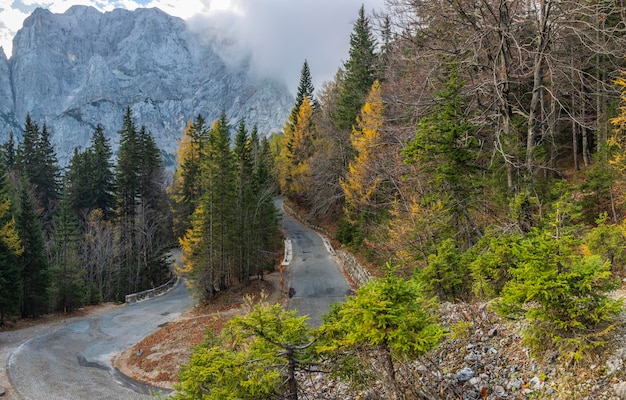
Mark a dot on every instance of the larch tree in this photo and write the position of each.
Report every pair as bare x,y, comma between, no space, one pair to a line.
364,178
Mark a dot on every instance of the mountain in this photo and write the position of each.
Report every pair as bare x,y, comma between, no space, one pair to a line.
81,68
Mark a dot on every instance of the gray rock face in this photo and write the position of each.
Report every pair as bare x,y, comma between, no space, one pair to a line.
82,68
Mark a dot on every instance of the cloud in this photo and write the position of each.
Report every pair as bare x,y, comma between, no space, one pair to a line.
280,34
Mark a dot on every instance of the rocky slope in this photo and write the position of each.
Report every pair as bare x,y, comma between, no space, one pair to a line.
82,68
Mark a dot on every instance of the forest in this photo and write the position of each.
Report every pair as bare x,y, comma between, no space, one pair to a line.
102,228
468,152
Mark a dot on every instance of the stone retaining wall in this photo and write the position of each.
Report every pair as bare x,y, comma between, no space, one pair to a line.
351,266
150,293
349,263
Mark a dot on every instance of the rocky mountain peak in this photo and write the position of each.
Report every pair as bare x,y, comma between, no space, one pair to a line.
83,67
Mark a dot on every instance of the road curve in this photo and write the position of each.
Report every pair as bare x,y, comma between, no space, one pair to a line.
75,361
313,273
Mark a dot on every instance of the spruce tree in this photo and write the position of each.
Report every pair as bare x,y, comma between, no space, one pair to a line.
208,245
69,288
127,184
11,290
47,175
33,261
102,168
360,73
305,90
8,153
152,236
246,199
187,187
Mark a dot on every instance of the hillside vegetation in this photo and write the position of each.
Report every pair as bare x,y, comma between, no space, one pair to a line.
475,149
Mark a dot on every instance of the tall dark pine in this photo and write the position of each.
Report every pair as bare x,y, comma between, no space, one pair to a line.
10,249
8,153
36,159
223,194
91,177
152,235
127,184
101,154
47,175
69,289
246,199
26,150
305,89
360,73
36,275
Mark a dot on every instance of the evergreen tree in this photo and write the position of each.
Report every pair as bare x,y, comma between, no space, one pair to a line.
102,168
37,160
33,261
153,222
246,202
257,356
360,73
47,175
11,290
69,289
8,153
187,189
305,90
208,246
389,317
26,156
445,147
127,186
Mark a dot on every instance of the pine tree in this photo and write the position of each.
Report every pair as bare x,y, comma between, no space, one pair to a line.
47,175
446,147
187,189
208,246
26,150
152,236
11,290
8,153
33,261
246,199
360,73
305,90
127,186
388,319
69,288
103,177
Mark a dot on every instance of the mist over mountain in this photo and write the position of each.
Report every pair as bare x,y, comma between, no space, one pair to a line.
81,68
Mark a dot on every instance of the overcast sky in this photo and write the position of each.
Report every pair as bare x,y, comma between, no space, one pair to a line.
281,33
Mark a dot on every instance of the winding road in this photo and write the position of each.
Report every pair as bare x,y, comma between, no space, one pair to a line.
74,359
313,273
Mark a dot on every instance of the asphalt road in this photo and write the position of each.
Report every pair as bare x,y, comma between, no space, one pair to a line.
313,273
75,361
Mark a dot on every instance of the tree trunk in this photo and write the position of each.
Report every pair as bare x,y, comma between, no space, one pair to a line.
292,383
